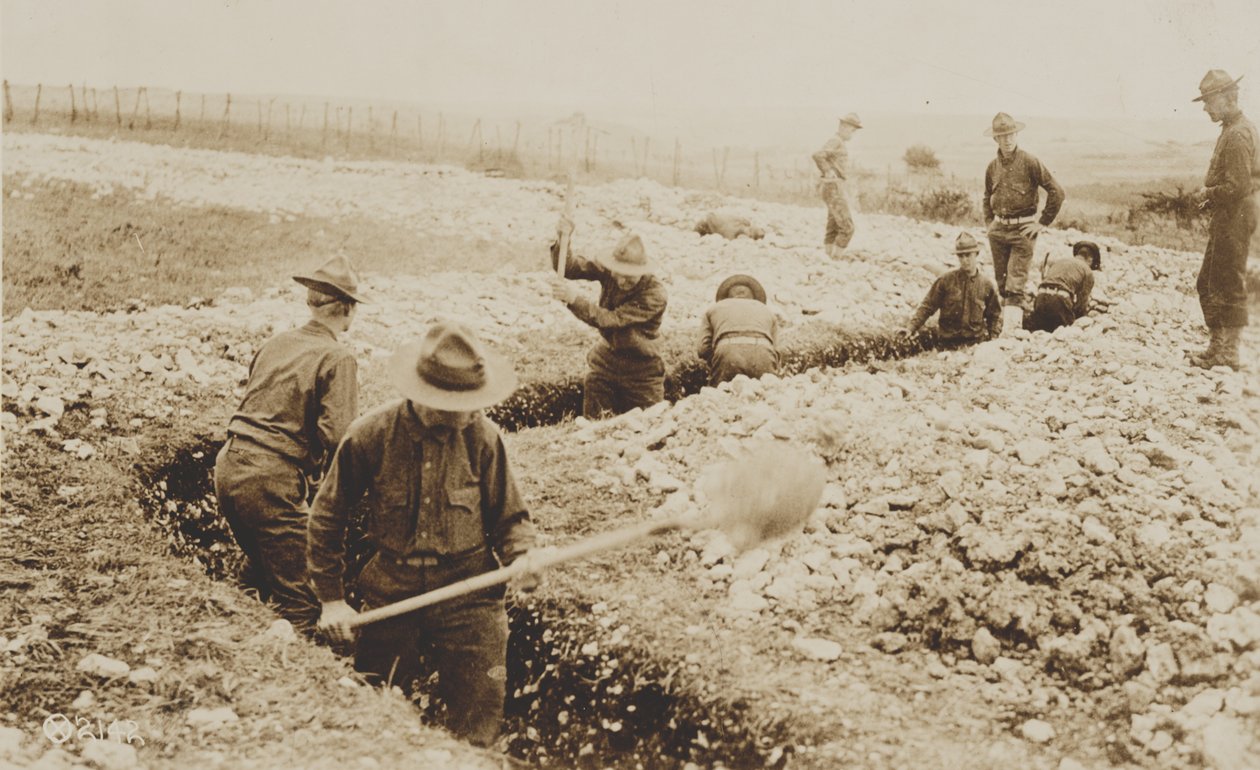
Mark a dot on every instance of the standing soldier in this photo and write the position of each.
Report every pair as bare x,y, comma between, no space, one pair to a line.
740,334
833,161
968,301
302,395
1229,193
1010,214
442,504
1067,285
626,369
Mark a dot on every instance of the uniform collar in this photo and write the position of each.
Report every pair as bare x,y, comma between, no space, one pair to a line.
418,429
315,327
1232,118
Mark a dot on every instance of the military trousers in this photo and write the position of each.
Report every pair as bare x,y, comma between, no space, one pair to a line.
262,495
840,227
1050,311
618,382
731,359
1222,282
1012,257
465,640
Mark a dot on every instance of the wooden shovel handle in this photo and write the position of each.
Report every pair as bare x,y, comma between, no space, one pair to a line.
536,561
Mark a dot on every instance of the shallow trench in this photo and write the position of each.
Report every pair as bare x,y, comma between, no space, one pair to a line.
622,708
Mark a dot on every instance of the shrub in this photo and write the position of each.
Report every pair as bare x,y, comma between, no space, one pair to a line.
920,157
1180,206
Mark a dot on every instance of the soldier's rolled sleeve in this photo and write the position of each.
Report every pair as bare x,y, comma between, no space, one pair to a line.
993,312
706,338
339,404
637,311
576,267
987,202
505,519
326,525
1054,195
1082,296
930,304
1235,173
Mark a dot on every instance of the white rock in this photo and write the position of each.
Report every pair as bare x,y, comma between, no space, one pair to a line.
1154,534
984,646
110,755
1037,731
211,718
11,740
282,630
1219,598
750,563
1227,744
51,406
99,665
143,675
1096,531
85,700
1032,451
818,649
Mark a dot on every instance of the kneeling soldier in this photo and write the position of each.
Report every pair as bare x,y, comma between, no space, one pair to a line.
1066,286
968,301
442,504
740,334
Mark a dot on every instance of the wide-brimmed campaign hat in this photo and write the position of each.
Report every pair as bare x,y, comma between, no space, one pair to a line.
628,257
1215,82
965,244
449,369
724,288
336,277
1091,248
852,119
1003,124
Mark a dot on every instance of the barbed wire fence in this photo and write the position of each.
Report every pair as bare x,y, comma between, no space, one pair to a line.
371,131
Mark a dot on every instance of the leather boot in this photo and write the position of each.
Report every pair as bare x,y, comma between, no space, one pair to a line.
1206,358
1227,350
1012,320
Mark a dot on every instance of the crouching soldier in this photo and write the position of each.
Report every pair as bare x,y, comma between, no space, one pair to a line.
970,307
1066,287
626,369
739,333
729,227
301,397
441,506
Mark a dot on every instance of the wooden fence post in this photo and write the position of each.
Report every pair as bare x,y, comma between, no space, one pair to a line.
516,141
135,111
677,159
96,107
117,108
74,112
39,90
323,137
87,111
148,115
227,116
179,95
720,175
8,103
203,109
267,131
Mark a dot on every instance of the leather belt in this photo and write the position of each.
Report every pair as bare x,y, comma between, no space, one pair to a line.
1056,290
1017,220
746,339
431,559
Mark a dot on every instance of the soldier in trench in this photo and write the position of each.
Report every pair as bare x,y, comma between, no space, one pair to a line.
442,506
968,302
626,368
1229,193
833,163
739,334
301,397
1067,286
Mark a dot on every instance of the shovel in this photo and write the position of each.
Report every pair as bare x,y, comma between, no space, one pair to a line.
764,495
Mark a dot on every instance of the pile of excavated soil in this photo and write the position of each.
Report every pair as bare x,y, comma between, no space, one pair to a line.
1052,539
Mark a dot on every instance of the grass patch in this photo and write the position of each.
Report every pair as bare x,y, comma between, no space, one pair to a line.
67,249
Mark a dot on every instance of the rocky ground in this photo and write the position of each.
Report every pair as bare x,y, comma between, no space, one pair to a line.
1041,550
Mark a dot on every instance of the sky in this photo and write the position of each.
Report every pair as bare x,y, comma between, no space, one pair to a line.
1135,59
